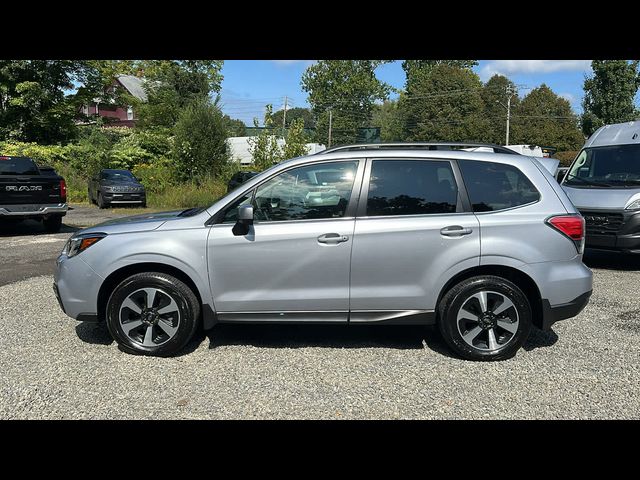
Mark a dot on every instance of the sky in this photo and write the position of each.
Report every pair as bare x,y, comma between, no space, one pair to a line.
251,84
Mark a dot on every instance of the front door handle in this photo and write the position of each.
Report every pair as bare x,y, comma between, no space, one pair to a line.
455,231
332,238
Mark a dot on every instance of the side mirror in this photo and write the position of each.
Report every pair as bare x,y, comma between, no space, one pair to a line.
245,220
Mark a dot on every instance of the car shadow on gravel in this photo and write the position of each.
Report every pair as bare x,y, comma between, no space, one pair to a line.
93,332
29,227
611,260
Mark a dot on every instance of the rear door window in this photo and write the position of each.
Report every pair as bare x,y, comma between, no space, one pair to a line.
411,187
496,186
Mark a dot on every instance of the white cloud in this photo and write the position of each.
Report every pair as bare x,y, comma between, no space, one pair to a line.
511,67
569,96
286,63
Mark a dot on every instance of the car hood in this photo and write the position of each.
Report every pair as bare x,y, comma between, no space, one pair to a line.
602,198
136,223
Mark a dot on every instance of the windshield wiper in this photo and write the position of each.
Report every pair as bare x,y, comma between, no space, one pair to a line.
588,182
190,211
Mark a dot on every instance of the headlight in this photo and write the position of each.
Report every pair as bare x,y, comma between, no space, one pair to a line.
635,205
80,243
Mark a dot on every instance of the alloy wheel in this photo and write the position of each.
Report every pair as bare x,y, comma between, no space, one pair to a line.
149,317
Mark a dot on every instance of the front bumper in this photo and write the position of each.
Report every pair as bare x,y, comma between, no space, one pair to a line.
124,198
555,313
617,230
76,287
33,210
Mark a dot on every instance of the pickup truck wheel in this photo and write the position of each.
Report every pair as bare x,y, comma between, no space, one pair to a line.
152,314
100,202
485,318
52,224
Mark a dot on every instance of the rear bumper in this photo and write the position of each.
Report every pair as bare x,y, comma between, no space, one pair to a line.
552,314
33,210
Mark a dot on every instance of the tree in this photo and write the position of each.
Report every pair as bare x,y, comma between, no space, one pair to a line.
200,146
347,89
387,117
544,118
235,127
172,85
34,106
292,114
495,95
265,148
444,104
610,93
413,68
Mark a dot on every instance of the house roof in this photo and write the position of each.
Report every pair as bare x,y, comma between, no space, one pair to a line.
133,85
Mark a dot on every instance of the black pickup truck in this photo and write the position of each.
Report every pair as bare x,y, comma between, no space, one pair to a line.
27,191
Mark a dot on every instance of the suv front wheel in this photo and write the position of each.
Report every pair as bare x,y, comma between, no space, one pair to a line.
485,318
152,314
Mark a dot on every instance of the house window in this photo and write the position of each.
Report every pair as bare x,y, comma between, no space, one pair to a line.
129,113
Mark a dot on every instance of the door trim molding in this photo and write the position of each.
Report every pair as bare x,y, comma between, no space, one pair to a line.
356,317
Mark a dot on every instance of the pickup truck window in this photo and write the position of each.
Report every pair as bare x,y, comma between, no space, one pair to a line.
17,166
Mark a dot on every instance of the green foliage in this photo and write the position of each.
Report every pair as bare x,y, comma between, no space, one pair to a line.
199,145
265,148
295,141
544,118
173,85
387,117
156,176
566,157
188,194
415,68
33,105
235,128
495,94
349,89
610,93
292,114
444,104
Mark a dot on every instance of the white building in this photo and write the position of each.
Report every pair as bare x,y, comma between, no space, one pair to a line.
239,147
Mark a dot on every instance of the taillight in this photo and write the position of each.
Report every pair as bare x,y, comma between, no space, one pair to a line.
63,191
571,226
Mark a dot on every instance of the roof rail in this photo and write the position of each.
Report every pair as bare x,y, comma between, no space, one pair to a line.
416,145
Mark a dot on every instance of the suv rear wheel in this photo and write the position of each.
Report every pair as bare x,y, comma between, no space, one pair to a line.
485,318
152,314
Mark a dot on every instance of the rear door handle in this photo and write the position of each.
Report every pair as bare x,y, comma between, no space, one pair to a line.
332,238
455,231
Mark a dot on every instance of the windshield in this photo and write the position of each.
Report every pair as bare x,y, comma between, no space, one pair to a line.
17,166
119,175
610,166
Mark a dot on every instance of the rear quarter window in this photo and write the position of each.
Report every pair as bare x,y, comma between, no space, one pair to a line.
496,186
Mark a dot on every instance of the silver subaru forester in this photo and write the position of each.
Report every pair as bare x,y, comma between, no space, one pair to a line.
484,245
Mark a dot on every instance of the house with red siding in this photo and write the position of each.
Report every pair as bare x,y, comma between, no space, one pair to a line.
106,107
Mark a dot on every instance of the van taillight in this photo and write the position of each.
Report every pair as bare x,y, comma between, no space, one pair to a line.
571,226
63,191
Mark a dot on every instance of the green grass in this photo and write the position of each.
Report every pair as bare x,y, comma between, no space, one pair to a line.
179,196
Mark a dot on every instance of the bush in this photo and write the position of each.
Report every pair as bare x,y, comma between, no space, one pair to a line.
566,157
199,146
189,194
156,176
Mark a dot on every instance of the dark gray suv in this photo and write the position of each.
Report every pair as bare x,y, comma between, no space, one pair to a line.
116,187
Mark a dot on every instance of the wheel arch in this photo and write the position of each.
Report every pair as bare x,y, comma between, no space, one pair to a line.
115,277
520,278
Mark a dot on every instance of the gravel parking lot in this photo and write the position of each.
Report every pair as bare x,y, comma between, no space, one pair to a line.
54,367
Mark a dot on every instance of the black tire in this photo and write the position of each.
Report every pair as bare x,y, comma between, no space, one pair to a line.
52,224
507,343
187,304
100,202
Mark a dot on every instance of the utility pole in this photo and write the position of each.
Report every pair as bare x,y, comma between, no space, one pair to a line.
330,121
284,117
510,93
